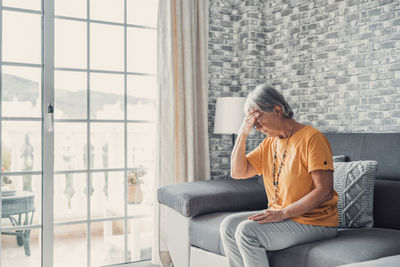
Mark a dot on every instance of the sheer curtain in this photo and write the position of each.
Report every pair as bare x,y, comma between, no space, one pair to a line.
182,102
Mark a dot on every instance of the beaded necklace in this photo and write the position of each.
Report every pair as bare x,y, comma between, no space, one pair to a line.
275,179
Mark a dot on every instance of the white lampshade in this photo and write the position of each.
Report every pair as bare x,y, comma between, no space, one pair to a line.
229,115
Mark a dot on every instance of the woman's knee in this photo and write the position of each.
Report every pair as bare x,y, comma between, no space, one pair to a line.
229,224
225,226
247,232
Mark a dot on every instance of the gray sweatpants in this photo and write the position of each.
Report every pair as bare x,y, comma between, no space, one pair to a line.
246,242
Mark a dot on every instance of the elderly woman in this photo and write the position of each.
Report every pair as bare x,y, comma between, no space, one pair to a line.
296,163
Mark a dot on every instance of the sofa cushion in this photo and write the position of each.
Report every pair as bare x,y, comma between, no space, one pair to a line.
382,147
204,232
260,181
203,197
351,245
392,261
387,204
354,183
348,144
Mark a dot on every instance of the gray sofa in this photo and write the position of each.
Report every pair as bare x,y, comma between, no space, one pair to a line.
202,205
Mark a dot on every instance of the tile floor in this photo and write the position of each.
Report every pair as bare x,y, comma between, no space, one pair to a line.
72,251
144,264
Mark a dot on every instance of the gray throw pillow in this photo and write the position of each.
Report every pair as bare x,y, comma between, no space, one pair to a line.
354,183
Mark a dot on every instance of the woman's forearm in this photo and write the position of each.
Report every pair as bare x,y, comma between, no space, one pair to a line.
311,201
239,164
238,157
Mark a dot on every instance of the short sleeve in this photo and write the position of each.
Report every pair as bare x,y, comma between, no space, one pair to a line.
319,153
255,158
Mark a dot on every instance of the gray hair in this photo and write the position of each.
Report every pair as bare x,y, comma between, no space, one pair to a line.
265,98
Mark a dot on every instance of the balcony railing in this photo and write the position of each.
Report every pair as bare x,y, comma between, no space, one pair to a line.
106,212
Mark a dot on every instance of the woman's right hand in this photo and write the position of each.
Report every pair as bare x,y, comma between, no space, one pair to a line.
248,122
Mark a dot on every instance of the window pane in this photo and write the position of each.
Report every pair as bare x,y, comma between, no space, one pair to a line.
142,86
107,245
106,96
70,151
107,145
70,247
21,145
21,37
21,194
141,95
21,92
142,12
140,234
26,4
14,255
107,199
70,44
106,47
21,205
107,10
141,145
141,50
70,8
70,197
70,95
140,189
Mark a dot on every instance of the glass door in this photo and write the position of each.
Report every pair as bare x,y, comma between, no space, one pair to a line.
104,94
90,168
21,132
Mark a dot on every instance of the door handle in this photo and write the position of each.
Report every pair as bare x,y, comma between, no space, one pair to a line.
50,118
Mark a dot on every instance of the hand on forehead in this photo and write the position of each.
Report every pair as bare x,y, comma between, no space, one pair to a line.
254,110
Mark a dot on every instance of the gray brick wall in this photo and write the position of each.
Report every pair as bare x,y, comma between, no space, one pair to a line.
337,62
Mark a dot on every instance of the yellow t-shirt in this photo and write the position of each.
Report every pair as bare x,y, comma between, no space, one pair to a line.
307,150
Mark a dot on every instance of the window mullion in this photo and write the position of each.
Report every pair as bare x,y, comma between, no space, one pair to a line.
1,102
88,152
47,136
125,136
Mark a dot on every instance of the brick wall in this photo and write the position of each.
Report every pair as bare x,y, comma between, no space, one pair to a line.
337,62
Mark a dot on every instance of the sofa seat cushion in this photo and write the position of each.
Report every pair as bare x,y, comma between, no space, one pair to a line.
350,246
204,232
392,261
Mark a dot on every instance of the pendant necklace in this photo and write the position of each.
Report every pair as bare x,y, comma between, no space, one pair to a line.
275,178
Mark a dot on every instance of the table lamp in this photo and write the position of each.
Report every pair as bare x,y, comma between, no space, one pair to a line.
229,115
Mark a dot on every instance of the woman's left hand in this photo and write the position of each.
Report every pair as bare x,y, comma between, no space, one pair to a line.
268,215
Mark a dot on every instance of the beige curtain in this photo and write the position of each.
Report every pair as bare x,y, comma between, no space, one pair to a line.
182,102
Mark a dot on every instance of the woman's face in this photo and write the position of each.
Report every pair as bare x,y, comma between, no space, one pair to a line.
267,123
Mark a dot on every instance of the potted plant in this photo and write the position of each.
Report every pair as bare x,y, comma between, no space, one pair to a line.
135,194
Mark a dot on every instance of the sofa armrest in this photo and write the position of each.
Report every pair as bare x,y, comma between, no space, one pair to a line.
202,197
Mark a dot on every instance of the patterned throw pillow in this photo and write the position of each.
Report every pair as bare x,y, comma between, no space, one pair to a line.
354,183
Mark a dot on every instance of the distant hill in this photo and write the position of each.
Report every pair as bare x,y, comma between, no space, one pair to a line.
27,90
19,88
